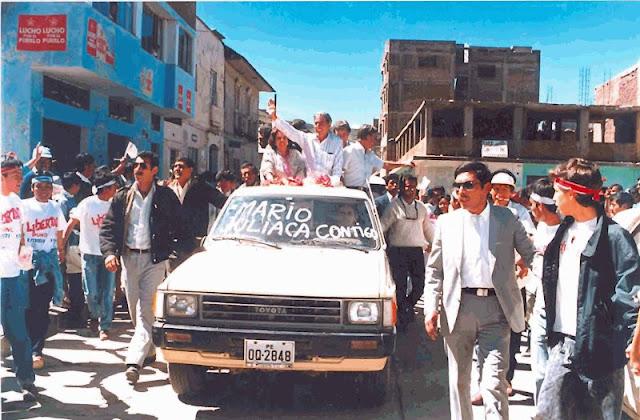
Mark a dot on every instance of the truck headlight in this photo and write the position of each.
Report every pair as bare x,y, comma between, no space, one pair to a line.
364,312
181,305
389,312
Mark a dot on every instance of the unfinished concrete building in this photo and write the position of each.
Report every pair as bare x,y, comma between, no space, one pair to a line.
623,91
413,71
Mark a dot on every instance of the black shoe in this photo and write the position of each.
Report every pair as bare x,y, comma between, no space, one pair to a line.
30,393
149,360
133,374
94,325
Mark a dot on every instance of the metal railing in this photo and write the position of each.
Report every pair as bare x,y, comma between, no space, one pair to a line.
413,132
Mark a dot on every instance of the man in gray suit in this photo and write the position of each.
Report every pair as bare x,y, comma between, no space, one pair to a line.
471,289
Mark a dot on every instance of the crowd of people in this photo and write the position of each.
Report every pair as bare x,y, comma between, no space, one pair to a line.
560,257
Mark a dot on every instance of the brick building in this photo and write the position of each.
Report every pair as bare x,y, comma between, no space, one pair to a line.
623,91
413,71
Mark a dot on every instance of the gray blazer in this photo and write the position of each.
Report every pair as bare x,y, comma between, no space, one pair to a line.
443,282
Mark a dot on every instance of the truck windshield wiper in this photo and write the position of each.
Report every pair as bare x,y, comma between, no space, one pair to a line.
241,239
316,241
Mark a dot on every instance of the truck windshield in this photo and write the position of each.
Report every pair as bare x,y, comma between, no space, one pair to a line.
299,220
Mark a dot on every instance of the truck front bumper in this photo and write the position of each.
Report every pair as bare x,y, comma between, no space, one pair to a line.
315,351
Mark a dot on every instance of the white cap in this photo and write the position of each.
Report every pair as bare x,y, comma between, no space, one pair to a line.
503,178
376,180
45,152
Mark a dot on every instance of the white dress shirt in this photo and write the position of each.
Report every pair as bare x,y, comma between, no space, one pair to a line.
407,225
359,164
573,243
474,270
180,191
321,158
523,215
139,229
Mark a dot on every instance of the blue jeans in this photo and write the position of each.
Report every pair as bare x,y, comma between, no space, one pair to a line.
14,302
539,348
99,287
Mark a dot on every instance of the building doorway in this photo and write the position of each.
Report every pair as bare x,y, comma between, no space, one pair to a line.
64,141
116,145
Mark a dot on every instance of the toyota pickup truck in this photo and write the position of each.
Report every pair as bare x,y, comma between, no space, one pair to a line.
290,279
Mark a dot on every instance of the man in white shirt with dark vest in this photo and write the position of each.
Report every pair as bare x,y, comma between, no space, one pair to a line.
471,289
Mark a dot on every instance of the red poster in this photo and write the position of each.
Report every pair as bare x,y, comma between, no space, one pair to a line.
180,97
189,101
42,33
92,30
97,42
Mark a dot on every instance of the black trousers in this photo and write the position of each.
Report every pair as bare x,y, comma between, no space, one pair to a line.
514,345
407,262
38,312
77,311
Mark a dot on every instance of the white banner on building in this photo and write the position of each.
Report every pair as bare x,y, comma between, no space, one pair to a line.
495,148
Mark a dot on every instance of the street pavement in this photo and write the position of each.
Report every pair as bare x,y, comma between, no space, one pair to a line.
84,378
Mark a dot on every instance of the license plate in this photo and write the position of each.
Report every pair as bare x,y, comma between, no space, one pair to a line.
269,354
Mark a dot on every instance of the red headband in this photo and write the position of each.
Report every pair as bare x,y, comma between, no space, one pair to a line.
10,169
580,189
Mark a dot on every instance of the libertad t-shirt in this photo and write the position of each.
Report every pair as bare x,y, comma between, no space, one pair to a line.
10,233
41,222
573,243
90,213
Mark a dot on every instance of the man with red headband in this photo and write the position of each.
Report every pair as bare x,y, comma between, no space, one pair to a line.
590,276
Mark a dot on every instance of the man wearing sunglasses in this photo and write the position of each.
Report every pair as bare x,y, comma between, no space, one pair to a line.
590,278
138,233
409,231
194,195
472,292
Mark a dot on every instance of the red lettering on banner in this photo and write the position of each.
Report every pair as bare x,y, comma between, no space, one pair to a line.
180,97
10,215
189,101
97,221
42,33
97,42
42,224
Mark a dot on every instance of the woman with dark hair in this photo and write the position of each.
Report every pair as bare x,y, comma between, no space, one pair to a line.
281,164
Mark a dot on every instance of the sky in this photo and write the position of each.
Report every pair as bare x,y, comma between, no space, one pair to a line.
326,56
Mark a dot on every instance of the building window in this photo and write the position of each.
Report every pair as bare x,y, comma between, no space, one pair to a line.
155,149
185,51
120,110
213,158
152,33
487,71
119,12
428,61
65,93
116,145
155,122
173,156
193,155
196,79
214,88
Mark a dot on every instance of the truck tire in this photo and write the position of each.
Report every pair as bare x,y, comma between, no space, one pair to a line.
373,386
186,379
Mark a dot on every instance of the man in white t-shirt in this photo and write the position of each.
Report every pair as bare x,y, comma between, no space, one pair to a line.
360,161
44,224
591,275
14,288
98,282
545,212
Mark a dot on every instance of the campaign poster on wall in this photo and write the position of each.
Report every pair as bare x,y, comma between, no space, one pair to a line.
42,33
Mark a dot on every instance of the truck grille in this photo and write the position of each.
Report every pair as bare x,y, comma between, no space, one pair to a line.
271,309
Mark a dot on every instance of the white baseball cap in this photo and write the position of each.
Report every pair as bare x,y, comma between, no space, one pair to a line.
45,152
503,178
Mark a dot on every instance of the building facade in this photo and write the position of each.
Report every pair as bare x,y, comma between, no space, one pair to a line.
413,71
242,87
623,91
201,138
94,76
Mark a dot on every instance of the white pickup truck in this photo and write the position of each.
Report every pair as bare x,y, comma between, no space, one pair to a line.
293,279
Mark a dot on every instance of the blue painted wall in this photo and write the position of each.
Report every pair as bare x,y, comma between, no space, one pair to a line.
23,104
623,175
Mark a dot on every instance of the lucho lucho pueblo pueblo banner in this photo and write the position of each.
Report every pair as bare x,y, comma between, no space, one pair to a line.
266,218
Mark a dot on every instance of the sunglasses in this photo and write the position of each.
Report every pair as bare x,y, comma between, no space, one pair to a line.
142,165
468,185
